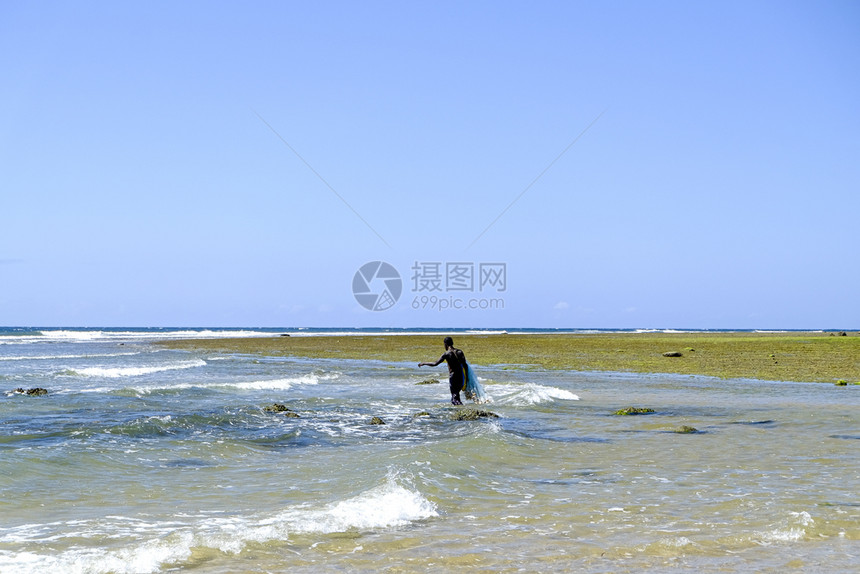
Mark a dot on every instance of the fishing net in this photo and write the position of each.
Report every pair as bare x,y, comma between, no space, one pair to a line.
473,389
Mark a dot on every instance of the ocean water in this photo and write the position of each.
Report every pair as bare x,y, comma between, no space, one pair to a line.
142,459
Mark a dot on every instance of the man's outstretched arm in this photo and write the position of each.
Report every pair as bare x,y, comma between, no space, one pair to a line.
442,358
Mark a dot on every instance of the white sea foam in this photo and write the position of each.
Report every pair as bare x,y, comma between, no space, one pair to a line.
277,384
389,505
143,559
660,331
781,535
804,518
116,372
72,335
51,357
792,531
281,384
75,336
530,394
274,385
677,542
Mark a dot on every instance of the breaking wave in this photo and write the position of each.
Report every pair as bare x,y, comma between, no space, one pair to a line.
116,372
530,394
151,545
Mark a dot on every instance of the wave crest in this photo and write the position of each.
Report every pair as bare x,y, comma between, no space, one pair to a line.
530,394
117,372
389,505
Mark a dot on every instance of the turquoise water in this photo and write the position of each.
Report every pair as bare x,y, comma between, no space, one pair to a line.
142,459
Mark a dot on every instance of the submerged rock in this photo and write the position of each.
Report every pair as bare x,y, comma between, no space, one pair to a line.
36,392
635,411
684,429
276,408
673,354
472,415
428,382
377,421
841,383
421,414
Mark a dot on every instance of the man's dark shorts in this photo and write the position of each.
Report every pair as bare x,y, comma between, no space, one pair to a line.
455,382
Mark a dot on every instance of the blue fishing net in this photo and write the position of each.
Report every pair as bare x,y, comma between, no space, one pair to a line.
473,389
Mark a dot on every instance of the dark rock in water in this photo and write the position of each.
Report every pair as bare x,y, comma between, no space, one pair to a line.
285,334
421,414
684,429
673,354
428,382
763,422
276,408
377,421
635,411
37,392
843,334
279,408
841,383
472,415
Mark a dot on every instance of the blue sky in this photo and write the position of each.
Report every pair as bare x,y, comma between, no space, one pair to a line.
234,164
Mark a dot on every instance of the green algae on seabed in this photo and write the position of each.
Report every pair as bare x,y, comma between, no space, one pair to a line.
802,356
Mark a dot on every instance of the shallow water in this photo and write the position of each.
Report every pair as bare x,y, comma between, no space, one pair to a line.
143,459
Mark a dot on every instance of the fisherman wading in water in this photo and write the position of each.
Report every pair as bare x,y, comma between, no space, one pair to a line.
456,369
